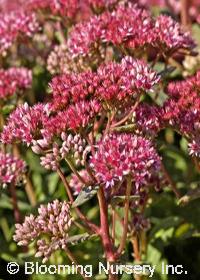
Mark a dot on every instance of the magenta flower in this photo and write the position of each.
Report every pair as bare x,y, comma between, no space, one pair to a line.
171,35
68,8
147,119
121,155
14,80
130,27
127,79
81,114
12,169
15,24
68,88
85,36
112,82
54,221
25,124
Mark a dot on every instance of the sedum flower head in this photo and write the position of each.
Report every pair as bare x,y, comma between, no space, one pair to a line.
53,222
25,123
12,169
71,88
128,27
85,36
120,155
171,34
117,81
14,24
112,82
67,8
147,119
81,114
14,80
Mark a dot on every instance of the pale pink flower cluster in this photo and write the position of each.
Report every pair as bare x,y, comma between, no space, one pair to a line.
12,169
72,147
15,24
53,221
14,80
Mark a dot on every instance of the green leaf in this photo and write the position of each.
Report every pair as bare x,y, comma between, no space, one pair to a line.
85,194
7,109
79,238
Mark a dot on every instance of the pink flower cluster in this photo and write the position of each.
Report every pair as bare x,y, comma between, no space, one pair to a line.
14,80
170,34
15,24
28,124
120,155
25,124
182,111
71,88
127,79
130,27
86,36
112,82
68,8
80,114
53,221
12,169
147,119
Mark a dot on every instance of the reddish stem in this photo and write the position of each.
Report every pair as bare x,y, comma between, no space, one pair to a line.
89,224
104,229
170,181
185,18
126,214
128,115
17,214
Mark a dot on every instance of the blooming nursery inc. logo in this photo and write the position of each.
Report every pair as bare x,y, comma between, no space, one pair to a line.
99,137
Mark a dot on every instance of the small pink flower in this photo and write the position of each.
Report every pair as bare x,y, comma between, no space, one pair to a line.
14,80
14,24
68,8
120,155
25,124
12,169
171,34
81,114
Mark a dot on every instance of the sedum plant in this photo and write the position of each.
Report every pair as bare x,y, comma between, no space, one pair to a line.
114,92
